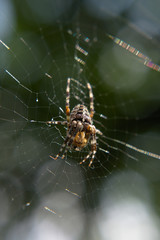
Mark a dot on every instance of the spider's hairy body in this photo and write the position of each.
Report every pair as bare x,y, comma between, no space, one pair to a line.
81,113
80,128
80,119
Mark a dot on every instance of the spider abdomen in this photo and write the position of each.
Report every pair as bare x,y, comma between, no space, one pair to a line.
79,121
81,113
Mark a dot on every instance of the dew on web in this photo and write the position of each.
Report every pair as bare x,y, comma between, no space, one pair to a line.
33,95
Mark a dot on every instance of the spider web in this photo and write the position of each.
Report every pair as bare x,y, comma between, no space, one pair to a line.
45,196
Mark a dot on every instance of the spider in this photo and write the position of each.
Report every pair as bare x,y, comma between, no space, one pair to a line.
80,128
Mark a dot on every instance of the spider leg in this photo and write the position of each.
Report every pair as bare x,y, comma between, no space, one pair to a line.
91,100
85,159
93,156
92,152
70,139
57,122
68,100
64,144
61,149
99,132
67,142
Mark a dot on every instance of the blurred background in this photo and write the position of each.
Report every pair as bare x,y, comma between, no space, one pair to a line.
42,43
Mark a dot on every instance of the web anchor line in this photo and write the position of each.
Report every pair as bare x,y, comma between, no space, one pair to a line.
146,60
139,150
4,44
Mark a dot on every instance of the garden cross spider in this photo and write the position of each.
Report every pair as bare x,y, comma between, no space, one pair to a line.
80,128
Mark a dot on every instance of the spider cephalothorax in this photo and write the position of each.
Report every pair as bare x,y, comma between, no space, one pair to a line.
80,128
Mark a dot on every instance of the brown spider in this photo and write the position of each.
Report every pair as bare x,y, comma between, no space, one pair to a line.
80,128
